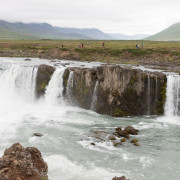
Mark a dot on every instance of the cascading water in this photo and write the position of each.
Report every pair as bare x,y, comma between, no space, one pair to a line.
172,105
69,86
148,94
19,80
54,90
94,98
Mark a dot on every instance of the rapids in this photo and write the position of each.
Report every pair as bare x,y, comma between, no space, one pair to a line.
66,144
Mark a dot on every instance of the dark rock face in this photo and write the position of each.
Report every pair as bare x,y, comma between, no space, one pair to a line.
120,178
83,86
121,91
43,77
19,163
126,91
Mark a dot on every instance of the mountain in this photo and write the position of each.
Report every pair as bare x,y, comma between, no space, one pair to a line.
172,33
21,30
119,36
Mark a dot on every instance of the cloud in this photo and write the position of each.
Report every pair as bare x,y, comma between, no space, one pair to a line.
123,16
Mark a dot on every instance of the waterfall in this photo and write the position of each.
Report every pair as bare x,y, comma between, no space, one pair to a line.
19,80
69,86
148,95
172,105
54,90
94,98
156,89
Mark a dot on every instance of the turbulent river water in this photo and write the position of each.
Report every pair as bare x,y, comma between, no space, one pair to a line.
66,144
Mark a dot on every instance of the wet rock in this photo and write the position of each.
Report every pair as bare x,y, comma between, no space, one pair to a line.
38,134
93,144
19,163
134,141
118,129
123,133
27,59
120,178
43,77
117,144
123,140
99,135
111,137
131,130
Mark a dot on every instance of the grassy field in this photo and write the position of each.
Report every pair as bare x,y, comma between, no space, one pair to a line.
114,51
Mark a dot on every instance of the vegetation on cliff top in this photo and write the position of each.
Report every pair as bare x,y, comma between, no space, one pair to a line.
113,51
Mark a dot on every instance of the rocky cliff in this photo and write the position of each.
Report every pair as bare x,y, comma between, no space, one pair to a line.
19,163
109,89
120,91
43,77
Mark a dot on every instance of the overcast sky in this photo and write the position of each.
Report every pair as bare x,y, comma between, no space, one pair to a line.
111,16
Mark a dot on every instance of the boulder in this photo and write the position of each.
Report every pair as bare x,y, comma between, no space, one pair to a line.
38,134
120,178
131,130
123,133
19,163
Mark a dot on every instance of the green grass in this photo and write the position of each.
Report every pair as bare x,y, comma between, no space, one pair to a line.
114,51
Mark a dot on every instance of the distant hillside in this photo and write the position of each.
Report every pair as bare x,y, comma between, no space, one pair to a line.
170,34
119,36
46,31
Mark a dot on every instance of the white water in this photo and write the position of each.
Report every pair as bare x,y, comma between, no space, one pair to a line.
149,94
94,98
69,86
66,144
172,105
19,80
54,91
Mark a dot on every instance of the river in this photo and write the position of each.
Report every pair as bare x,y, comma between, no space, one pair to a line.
66,144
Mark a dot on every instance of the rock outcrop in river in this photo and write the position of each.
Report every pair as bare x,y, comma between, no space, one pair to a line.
119,91
19,163
120,178
111,90
43,77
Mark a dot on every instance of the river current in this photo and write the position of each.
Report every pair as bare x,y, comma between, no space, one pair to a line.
66,144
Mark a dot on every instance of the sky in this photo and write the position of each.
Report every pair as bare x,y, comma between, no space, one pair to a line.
111,16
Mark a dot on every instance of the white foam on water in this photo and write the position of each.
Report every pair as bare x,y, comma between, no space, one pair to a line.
60,167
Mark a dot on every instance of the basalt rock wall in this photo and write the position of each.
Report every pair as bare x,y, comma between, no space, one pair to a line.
43,77
84,80
121,91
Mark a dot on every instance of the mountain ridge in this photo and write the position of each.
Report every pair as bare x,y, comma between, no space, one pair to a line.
172,33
